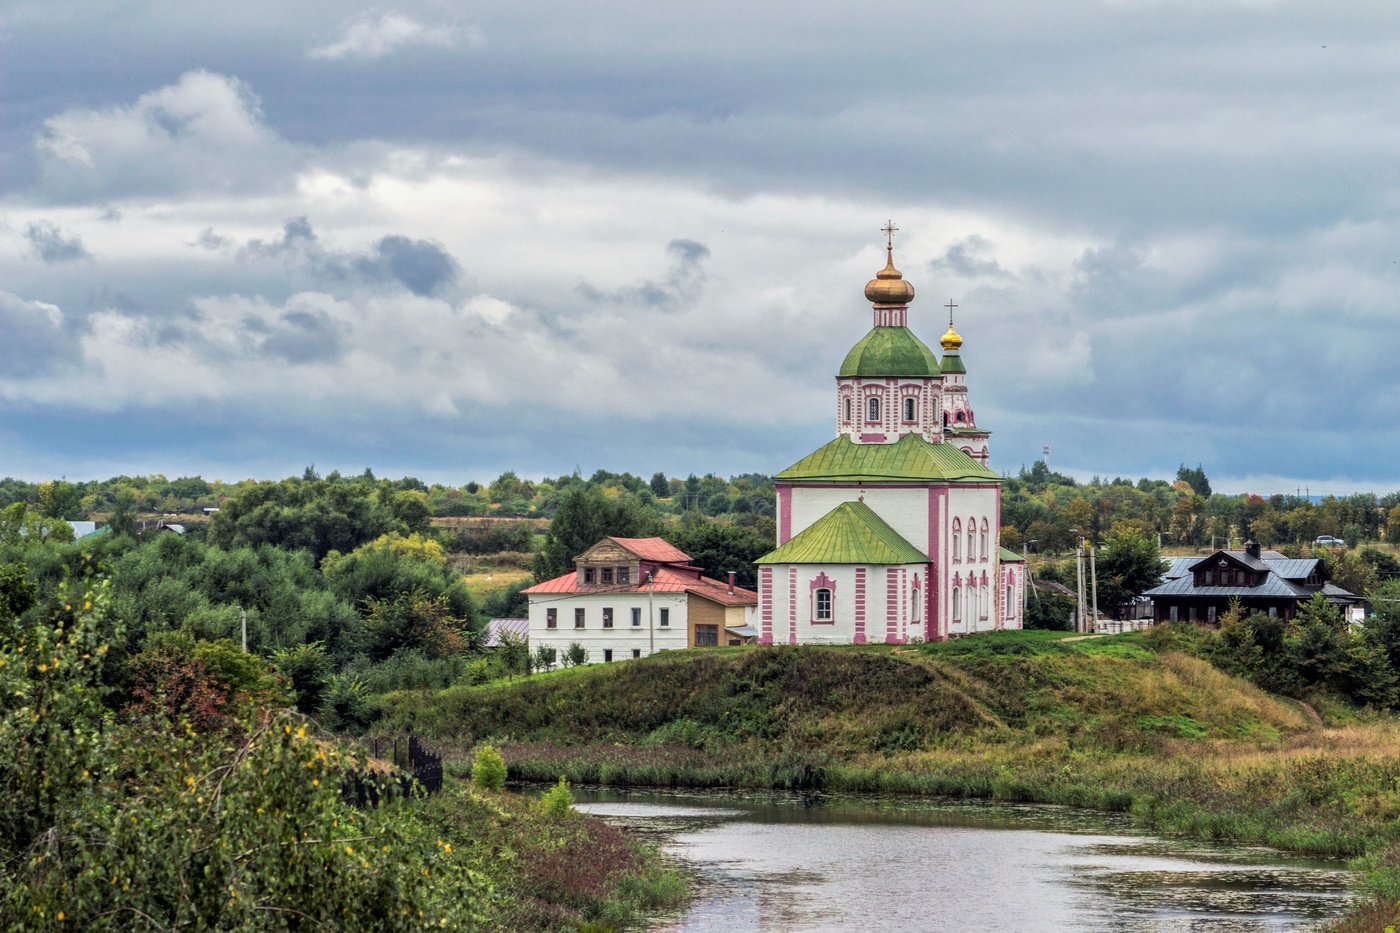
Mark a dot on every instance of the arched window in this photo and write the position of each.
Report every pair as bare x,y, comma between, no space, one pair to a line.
957,538
822,598
917,602
984,540
958,416
984,603
971,542
848,408
1010,605
872,408
957,604
909,408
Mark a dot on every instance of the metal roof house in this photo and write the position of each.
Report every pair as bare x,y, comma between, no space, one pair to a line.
1200,589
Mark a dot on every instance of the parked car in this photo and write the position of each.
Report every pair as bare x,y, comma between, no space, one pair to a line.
1329,541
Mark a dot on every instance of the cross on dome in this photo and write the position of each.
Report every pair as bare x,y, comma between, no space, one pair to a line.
889,230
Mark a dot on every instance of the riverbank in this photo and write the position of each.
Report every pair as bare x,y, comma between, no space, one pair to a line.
1115,724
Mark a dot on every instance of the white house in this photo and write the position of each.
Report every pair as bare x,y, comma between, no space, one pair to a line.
630,597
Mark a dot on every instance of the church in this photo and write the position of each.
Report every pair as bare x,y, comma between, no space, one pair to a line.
891,532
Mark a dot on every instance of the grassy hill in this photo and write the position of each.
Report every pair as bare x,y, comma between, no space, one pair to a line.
1116,723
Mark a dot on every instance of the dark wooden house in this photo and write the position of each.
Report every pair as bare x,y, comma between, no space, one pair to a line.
1200,589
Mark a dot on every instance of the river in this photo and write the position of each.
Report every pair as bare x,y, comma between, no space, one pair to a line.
795,864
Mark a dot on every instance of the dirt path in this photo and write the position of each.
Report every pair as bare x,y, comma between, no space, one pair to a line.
1313,714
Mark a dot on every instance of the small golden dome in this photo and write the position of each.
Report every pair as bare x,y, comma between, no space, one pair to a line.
888,289
950,340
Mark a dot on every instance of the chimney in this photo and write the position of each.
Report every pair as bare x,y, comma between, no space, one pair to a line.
731,583
1251,548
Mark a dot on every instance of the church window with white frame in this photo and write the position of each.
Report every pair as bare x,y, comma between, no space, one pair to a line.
957,539
957,604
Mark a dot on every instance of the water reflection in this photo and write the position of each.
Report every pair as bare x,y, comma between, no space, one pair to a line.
790,864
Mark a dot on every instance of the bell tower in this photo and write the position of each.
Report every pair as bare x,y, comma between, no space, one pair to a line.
959,423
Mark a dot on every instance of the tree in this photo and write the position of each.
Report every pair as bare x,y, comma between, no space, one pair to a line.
1129,565
488,768
1196,479
720,547
585,516
23,528
660,486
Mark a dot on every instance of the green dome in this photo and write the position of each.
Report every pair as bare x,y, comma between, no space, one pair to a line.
890,351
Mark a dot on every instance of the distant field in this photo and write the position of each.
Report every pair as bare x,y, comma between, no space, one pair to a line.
482,582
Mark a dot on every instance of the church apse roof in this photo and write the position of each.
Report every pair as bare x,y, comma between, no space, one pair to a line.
851,533
890,351
911,458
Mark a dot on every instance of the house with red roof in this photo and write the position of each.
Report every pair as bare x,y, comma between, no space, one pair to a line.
631,597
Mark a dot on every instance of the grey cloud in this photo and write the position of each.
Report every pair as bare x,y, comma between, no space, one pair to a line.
211,241
302,336
969,259
684,282
373,36
422,267
35,341
297,238
50,245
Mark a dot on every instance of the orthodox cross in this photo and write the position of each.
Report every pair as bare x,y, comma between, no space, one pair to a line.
950,306
889,230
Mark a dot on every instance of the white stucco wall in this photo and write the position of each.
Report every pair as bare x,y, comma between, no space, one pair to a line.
622,638
854,621
904,509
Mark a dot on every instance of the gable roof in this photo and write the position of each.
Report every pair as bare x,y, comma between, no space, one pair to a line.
851,533
909,458
668,580
657,549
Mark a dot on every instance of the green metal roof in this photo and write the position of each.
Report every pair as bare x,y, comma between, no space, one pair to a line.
890,351
1008,554
851,533
909,458
952,363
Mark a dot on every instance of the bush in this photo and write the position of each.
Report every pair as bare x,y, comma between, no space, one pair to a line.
575,655
308,668
489,769
558,802
346,706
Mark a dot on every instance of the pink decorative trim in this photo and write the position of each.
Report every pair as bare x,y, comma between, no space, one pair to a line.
765,600
784,514
872,438
891,605
937,497
860,606
792,605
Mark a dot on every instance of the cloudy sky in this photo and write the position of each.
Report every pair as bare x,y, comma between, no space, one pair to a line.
448,239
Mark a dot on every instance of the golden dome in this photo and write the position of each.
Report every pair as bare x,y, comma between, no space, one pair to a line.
888,289
950,340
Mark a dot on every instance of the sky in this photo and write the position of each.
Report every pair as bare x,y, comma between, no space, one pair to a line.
447,240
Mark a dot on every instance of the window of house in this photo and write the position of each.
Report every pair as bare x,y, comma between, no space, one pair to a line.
872,408
957,604
624,575
607,617
607,575
909,408
665,617
636,617
551,618
822,598
1210,614
607,655
1273,612
590,575
848,408
706,636
636,652
578,618
1172,613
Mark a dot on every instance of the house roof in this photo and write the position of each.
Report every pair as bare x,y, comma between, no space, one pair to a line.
1010,556
1271,586
668,580
520,628
657,549
890,351
1284,577
851,533
909,458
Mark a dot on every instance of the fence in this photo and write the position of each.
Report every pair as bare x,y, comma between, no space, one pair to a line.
415,768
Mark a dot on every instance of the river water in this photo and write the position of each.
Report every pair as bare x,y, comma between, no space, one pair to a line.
794,864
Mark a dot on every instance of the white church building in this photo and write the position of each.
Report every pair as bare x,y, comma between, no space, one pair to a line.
891,532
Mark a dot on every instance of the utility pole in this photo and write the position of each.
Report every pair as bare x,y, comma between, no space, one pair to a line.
1094,576
1079,585
245,630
